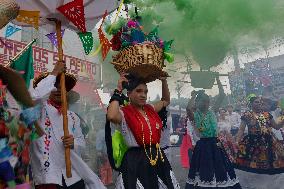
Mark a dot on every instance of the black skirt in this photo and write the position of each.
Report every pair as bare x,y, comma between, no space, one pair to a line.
135,165
211,167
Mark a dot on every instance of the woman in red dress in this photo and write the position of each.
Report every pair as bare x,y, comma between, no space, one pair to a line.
144,165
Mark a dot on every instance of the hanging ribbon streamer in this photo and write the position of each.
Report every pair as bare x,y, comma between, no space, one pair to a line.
87,41
74,11
10,30
103,39
29,17
104,42
116,16
53,37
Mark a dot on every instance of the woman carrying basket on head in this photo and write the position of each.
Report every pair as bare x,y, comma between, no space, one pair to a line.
144,164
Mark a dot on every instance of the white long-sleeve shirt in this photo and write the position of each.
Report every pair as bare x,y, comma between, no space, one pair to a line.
192,132
47,166
235,120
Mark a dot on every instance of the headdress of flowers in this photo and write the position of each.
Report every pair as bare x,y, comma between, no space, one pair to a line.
129,32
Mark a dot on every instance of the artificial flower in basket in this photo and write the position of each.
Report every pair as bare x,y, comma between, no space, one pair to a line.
141,54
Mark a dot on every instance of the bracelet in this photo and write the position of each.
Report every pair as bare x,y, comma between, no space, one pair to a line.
118,96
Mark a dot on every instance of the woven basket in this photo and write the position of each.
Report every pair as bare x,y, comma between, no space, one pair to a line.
9,10
146,61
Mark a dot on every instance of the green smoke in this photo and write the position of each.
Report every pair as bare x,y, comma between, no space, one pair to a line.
209,29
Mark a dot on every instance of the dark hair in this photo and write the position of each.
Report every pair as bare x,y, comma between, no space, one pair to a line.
132,83
220,109
201,95
230,105
251,100
163,114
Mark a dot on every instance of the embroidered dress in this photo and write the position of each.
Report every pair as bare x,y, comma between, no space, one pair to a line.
210,165
259,162
260,151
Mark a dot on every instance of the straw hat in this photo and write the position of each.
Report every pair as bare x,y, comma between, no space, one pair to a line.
73,97
70,80
9,10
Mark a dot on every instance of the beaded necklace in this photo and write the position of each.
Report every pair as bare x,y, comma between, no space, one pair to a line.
206,123
153,162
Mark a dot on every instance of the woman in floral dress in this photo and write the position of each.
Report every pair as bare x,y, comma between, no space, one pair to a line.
260,157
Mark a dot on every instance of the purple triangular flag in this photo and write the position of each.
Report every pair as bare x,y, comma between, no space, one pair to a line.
53,38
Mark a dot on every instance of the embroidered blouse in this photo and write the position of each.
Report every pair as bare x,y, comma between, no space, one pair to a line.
45,159
206,123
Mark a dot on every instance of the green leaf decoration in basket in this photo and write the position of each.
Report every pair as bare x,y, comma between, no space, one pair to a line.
169,57
168,45
119,147
153,35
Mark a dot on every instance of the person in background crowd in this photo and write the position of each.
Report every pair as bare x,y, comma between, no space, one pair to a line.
104,168
234,119
186,142
165,137
225,136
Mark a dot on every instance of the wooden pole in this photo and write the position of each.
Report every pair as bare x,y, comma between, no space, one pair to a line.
63,99
20,53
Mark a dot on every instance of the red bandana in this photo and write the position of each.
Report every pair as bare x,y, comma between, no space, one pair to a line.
135,121
58,107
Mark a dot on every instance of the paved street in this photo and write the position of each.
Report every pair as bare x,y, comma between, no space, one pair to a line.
180,172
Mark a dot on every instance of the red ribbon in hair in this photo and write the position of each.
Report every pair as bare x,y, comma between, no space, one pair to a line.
135,120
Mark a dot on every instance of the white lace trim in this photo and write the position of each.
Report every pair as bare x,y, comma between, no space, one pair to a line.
119,183
226,183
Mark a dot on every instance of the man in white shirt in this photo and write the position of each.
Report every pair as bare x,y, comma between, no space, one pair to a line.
47,152
234,119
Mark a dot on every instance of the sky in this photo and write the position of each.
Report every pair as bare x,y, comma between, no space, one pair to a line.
245,55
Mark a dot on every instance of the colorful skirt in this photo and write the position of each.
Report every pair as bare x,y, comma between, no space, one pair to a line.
211,167
261,154
230,147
